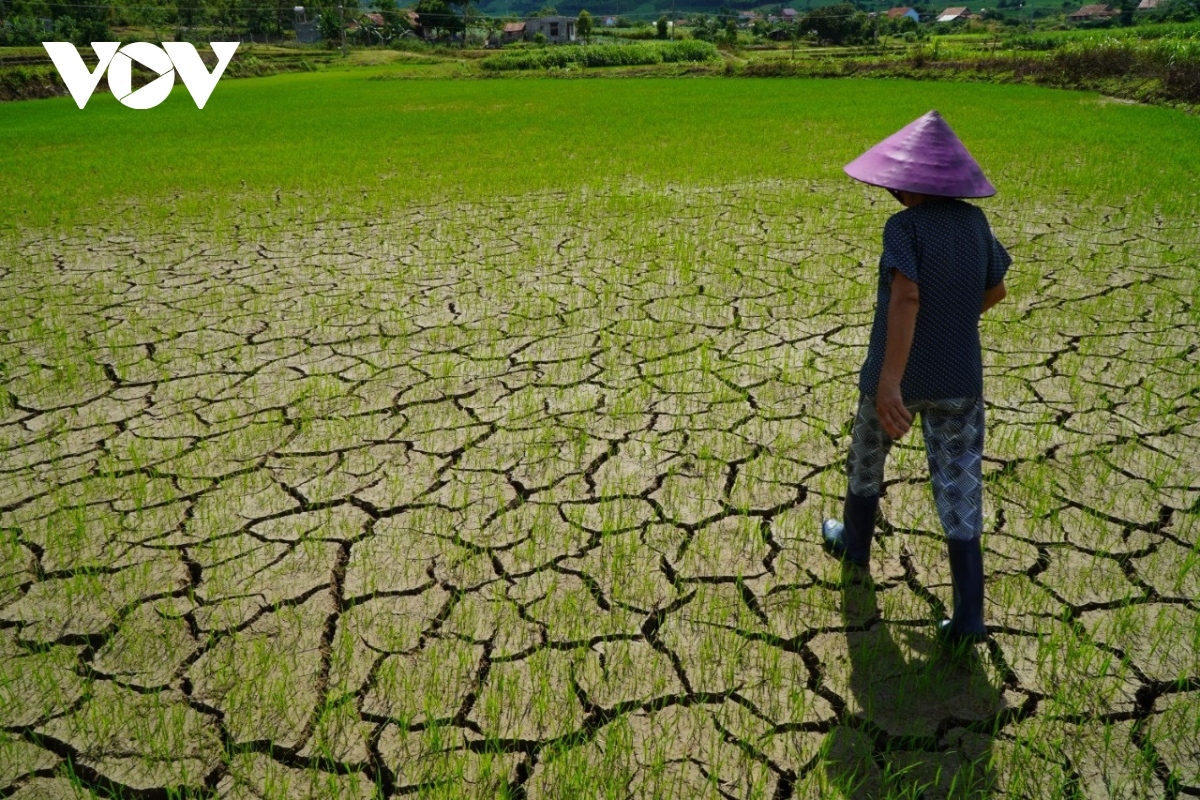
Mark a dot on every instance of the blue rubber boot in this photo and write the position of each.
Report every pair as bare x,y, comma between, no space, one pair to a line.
966,576
851,541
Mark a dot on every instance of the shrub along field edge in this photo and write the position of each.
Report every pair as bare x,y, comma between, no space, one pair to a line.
603,55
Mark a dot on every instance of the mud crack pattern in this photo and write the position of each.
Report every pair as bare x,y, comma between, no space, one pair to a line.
522,499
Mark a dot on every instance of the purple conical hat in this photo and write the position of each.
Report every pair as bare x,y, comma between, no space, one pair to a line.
924,157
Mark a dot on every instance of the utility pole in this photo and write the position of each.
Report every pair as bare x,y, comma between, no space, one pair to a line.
342,25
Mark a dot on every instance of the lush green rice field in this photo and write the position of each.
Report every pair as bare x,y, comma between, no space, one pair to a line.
338,133
470,439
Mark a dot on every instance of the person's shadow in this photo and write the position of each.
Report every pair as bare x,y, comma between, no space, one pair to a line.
919,717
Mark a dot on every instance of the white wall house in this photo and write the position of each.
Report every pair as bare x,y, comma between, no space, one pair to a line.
558,30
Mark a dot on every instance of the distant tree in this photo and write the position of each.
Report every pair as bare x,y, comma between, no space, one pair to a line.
285,15
547,11
21,31
1176,11
584,26
624,22
661,25
189,12
89,21
222,13
259,17
466,19
838,24
493,26
329,22
25,9
436,15
391,15
790,32
705,28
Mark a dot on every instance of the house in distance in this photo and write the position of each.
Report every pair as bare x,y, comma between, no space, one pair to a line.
953,14
1092,13
905,11
558,30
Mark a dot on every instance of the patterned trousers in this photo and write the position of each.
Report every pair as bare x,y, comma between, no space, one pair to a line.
953,432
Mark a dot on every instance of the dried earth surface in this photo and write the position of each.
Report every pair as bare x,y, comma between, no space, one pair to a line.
521,499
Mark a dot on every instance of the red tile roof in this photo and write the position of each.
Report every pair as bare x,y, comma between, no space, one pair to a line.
1094,11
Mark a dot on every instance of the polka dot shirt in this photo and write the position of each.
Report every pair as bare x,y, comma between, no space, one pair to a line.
947,248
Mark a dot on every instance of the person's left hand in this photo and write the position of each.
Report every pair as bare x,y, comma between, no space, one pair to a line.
889,406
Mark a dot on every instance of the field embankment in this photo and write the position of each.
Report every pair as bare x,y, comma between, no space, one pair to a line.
1163,71
27,73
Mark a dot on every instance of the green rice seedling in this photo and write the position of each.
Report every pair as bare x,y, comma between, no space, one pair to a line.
348,483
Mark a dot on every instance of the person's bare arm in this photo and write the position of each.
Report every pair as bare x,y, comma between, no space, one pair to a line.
993,295
902,321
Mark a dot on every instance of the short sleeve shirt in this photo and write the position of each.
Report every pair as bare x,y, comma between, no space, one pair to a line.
947,248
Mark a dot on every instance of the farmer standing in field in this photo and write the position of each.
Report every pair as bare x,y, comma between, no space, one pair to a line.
941,268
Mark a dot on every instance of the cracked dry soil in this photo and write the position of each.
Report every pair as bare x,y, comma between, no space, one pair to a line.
521,500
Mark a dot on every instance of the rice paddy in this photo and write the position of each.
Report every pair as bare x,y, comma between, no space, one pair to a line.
381,491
